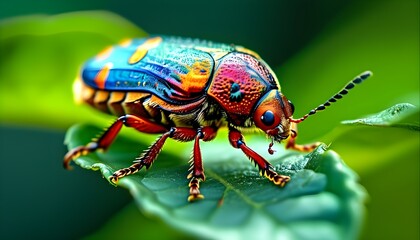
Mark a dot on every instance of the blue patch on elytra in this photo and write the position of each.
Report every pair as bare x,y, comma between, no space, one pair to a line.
236,94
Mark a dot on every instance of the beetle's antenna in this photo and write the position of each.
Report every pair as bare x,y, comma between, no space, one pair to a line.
357,80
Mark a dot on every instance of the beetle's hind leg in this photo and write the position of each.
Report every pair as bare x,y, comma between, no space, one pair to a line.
105,140
102,142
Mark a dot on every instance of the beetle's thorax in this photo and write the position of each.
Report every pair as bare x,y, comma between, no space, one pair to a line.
239,81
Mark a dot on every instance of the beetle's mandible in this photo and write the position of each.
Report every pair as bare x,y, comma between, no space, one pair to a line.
187,89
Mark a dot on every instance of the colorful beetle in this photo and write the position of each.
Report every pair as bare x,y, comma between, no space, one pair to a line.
187,89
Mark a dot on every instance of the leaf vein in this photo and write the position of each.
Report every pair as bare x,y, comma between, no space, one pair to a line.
229,186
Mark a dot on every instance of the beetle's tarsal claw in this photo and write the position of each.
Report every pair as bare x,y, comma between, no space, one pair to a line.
276,178
113,179
77,152
67,166
194,190
125,172
195,197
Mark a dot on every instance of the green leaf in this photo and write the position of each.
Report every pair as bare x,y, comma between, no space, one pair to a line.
384,150
323,200
401,115
378,139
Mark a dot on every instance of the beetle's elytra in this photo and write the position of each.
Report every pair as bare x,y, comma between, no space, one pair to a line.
186,90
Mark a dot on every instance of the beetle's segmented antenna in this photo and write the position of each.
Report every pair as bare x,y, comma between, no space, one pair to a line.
357,80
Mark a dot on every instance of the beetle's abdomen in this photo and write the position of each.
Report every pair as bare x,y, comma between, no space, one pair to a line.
117,103
168,69
147,105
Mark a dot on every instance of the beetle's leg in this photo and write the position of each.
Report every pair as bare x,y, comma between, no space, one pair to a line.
109,135
181,134
237,141
197,171
291,142
146,159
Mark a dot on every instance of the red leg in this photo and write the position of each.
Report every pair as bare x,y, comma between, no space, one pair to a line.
103,142
291,142
237,141
146,159
181,134
197,171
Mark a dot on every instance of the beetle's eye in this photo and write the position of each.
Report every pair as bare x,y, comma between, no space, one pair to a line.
267,118
291,106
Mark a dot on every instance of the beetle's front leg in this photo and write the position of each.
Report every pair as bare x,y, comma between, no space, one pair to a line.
291,142
237,141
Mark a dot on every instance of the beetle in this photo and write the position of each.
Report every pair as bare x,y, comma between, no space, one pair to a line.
186,89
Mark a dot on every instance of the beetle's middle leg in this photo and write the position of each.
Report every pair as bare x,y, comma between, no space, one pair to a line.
237,141
197,171
183,134
148,157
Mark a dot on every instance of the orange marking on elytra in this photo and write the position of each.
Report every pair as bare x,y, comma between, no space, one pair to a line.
102,75
142,50
195,80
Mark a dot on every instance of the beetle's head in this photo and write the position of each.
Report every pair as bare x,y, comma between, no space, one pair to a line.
273,112
272,115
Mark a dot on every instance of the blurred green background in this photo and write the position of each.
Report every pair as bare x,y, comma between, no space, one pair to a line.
314,47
